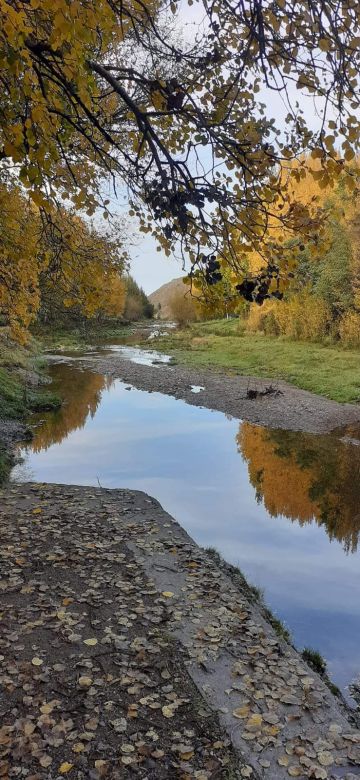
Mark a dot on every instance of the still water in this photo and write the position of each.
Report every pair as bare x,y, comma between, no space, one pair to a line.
283,506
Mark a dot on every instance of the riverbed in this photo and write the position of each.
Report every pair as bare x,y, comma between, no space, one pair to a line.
282,505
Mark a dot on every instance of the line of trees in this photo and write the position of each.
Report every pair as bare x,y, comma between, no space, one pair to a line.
62,270
137,304
100,93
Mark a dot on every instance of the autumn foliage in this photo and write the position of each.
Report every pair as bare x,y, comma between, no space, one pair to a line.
297,476
101,94
322,301
48,269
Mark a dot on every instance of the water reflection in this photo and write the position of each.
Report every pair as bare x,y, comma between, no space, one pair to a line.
302,477
81,394
187,457
306,478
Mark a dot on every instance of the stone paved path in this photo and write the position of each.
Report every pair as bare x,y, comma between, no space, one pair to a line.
125,652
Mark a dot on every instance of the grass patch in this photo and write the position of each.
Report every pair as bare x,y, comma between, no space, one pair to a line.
278,625
19,393
12,399
327,370
42,401
78,337
6,464
315,660
17,400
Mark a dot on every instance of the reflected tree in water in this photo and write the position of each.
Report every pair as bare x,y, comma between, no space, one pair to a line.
80,398
305,478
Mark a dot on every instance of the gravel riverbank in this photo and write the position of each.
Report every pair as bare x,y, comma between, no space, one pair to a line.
126,652
287,407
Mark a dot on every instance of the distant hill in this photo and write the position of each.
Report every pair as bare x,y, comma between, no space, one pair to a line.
163,295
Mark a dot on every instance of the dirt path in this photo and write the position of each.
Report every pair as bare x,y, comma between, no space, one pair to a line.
290,408
126,652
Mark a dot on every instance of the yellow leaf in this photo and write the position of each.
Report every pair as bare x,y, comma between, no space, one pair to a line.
241,712
255,720
187,755
90,642
167,593
65,767
37,661
78,747
167,712
46,709
158,101
85,682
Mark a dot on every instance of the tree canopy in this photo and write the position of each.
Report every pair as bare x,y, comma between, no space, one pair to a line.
99,90
56,269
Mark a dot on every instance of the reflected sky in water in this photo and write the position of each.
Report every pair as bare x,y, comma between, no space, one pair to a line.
282,506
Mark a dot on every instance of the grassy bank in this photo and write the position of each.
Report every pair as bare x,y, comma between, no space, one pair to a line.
330,371
77,338
21,392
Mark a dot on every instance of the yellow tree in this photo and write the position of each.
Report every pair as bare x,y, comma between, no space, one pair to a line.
84,271
60,264
97,88
21,260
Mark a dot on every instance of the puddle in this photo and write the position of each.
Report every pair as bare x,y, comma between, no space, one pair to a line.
144,357
283,506
349,440
156,333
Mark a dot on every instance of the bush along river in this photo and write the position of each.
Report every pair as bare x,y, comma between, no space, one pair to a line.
283,506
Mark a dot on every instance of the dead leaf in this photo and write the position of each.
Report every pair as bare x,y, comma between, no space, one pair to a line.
127,760
167,712
37,661
46,709
325,758
85,682
157,754
65,767
45,761
283,761
78,747
241,712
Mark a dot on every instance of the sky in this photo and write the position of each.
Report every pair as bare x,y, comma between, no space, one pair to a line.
150,268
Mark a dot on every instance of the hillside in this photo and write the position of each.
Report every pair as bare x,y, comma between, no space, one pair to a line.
163,295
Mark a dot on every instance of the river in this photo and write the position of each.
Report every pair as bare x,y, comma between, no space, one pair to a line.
283,506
